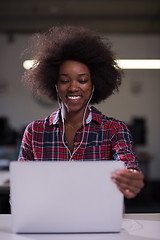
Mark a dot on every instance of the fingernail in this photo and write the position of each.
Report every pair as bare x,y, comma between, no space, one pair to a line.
118,172
114,180
113,174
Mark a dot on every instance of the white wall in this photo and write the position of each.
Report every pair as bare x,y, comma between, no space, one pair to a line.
17,103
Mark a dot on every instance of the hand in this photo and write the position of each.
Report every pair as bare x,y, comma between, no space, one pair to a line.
129,182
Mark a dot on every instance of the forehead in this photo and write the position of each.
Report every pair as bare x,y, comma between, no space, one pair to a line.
71,66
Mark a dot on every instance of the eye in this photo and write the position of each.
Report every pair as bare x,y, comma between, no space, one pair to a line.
63,81
83,81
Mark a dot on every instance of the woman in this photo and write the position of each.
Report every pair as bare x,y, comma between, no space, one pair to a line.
74,66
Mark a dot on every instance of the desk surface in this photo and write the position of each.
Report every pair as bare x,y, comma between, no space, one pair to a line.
134,227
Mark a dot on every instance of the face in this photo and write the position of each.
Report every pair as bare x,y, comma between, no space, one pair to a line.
74,85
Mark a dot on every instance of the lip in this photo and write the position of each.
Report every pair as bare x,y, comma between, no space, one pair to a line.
73,97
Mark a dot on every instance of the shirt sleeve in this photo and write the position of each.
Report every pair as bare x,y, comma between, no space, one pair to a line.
122,146
26,151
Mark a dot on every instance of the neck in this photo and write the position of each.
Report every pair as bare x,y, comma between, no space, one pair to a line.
74,118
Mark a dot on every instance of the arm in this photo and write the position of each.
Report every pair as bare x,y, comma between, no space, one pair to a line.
26,151
130,180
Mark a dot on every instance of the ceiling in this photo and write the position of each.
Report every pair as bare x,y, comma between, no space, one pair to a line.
105,16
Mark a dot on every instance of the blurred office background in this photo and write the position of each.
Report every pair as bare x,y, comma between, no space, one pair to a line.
133,28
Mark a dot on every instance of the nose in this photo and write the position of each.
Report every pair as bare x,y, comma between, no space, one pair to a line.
73,86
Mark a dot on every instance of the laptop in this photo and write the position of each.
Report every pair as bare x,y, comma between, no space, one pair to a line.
65,197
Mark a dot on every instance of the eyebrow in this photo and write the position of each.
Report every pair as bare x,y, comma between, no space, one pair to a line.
80,75
83,74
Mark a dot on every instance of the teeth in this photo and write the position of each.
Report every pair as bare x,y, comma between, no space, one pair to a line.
74,97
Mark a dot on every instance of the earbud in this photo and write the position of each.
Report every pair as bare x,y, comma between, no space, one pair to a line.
58,98
93,89
56,88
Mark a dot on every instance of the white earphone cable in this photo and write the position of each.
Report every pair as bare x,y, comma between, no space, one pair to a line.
63,131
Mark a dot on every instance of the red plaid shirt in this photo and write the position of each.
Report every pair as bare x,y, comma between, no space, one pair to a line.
104,139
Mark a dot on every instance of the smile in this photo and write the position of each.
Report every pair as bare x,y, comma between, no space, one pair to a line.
74,97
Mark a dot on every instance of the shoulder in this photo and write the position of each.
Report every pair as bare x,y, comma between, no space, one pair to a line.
108,122
37,123
114,123
40,124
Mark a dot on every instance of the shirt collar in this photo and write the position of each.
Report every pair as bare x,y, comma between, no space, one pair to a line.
54,117
94,115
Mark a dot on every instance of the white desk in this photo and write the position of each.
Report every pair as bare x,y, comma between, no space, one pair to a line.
134,227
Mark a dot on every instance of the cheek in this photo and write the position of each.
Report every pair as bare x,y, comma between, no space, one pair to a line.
61,94
61,90
89,89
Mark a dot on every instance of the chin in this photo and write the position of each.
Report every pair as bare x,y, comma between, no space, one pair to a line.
75,108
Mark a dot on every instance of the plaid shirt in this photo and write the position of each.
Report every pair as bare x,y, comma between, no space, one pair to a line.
104,139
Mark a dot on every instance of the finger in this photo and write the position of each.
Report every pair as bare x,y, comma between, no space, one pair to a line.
131,188
133,173
127,193
129,178
124,181
127,185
